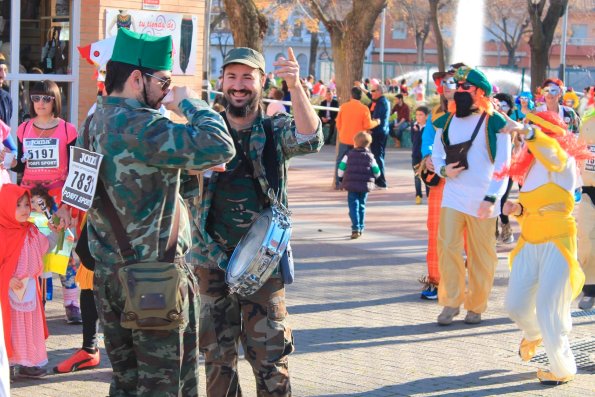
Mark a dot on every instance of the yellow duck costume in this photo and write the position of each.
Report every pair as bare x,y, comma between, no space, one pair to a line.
545,274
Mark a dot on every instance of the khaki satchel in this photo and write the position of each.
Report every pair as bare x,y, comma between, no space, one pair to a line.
154,296
458,152
155,291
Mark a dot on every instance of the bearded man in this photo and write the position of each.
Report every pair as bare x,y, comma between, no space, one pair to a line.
232,201
467,149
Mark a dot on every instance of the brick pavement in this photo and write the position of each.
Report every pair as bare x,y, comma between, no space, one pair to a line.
359,325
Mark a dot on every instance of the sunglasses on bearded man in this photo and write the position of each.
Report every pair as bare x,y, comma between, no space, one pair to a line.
465,86
164,83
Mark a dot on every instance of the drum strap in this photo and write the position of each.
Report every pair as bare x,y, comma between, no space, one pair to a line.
269,156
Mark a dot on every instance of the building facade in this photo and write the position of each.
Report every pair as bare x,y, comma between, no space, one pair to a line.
42,44
400,47
280,35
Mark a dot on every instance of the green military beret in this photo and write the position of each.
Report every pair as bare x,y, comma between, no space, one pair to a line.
246,56
475,77
141,49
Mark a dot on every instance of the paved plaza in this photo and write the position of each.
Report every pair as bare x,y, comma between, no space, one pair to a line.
360,328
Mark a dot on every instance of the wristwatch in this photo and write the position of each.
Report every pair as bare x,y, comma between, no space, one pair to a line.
530,133
443,172
490,199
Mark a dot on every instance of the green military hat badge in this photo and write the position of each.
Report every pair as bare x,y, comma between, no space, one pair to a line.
141,49
475,77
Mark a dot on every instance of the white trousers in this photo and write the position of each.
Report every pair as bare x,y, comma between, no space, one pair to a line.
538,300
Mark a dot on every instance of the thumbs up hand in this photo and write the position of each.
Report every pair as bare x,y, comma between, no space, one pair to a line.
288,69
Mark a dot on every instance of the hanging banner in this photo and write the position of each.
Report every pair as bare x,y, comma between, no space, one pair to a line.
181,27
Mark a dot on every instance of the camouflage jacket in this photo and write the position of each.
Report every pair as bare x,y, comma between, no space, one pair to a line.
205,251
144,154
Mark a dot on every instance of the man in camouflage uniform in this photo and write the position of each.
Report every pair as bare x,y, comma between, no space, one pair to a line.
143,155
232,200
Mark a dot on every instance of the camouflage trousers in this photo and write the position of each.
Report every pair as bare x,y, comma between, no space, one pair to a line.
259,321
146,362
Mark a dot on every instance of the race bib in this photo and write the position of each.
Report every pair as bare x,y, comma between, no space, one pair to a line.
83,174
590,165
42,152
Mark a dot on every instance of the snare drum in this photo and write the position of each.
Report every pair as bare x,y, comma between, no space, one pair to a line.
258,252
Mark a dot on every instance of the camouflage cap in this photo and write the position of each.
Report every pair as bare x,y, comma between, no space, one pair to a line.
141,49
246,56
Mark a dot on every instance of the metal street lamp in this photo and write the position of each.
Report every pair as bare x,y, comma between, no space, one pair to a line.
562,70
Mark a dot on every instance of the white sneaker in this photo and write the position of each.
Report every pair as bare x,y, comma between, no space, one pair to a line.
506,235
448,313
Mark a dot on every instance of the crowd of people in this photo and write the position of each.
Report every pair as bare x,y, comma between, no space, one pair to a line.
469,151
175,203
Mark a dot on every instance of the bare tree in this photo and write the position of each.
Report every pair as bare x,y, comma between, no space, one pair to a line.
508,27
543,25
313,53
418,19
351,30
219,28
248,24
434,5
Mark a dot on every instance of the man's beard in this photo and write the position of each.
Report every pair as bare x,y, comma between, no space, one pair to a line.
464,102
153,105
245,110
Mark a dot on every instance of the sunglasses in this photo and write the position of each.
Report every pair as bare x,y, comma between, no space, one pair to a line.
465,86
164,83
44,98
372,90
450,83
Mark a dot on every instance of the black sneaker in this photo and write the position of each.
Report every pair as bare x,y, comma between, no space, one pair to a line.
32,372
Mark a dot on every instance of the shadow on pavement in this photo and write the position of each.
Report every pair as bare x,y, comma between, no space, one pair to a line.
346,338
443,384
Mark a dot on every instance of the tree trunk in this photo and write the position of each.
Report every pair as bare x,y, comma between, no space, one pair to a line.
511,57
420,43
313,53
349,50
249,24
542,36
539,63
349,39
437,34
